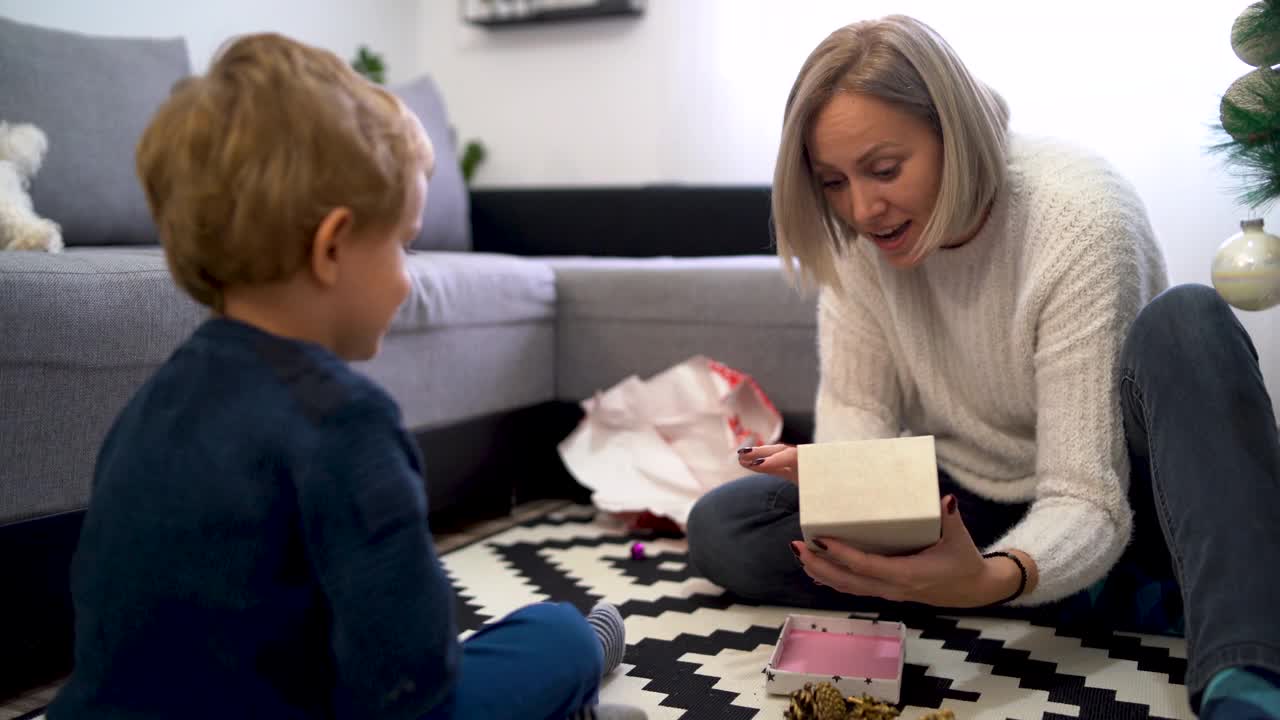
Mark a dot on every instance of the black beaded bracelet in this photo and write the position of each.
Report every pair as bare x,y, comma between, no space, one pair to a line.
1022,583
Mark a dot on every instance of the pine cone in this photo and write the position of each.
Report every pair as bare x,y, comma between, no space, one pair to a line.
803,705
868,708
828,702
824,702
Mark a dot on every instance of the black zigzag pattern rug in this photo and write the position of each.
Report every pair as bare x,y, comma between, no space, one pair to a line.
693,652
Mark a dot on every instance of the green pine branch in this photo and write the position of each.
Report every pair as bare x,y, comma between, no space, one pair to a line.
1256,167
472,156
370,65
1248,138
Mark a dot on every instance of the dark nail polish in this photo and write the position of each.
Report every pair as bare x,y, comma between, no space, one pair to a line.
794,550
745,450
757,461
821,545
951,505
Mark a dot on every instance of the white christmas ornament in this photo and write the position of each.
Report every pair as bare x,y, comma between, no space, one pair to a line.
1246,270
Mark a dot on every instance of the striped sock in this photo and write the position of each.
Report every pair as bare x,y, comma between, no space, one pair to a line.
1246,693
607,622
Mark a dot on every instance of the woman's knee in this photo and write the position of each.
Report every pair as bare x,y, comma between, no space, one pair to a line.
720,517
1179,311
1179,322
730,528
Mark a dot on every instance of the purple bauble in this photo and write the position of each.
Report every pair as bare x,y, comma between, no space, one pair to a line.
637,551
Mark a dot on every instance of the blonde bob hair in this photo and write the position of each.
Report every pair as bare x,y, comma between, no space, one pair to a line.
903,62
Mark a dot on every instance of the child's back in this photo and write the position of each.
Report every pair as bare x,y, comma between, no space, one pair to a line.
256,543
254,492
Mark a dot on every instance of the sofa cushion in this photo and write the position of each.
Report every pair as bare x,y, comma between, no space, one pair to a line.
447,375
446,221
114,307
92,307
84,328
451,289
93,97
619,317
475,337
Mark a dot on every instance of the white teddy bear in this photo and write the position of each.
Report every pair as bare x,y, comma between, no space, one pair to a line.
22,148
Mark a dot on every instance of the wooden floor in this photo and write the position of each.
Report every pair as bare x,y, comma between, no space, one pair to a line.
445,542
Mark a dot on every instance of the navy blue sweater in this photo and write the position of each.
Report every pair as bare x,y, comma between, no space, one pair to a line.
256,545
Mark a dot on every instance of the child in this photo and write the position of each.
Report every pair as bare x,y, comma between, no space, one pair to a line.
256,544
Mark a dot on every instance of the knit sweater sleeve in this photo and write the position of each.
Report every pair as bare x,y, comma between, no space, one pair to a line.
1090,288
364,519
859,397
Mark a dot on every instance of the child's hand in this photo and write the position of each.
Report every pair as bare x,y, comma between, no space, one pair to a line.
777,460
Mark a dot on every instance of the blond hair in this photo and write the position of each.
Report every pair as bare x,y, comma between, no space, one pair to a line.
906,64
242,164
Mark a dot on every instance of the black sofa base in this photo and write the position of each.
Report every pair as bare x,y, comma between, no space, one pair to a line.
35,606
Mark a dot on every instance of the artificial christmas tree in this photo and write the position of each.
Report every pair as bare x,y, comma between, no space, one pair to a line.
1246,269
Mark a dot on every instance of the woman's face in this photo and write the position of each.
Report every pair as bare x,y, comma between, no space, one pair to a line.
880,169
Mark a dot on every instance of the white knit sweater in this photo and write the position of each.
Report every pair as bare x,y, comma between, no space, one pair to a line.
1006,349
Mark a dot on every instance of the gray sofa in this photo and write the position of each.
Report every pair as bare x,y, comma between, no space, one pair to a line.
505,331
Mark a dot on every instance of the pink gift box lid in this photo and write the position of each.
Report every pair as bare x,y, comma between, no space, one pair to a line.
857,656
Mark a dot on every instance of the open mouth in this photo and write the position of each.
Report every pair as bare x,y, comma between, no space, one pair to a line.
892,239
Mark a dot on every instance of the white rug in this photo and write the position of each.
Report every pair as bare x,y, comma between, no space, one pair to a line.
692,653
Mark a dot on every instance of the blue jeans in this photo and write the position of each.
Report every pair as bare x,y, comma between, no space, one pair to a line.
1205,490
542,662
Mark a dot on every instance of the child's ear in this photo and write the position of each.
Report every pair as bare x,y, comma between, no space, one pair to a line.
327,244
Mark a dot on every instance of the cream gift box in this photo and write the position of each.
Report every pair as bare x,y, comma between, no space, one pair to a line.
880,496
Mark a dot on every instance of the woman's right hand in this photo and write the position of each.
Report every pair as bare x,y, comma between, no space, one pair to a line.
777,460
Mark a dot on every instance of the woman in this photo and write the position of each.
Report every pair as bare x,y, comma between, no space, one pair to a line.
1007,296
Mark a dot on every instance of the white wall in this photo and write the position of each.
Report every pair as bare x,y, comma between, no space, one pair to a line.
693,93
387,26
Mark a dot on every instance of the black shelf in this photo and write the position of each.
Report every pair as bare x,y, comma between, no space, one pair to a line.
537,16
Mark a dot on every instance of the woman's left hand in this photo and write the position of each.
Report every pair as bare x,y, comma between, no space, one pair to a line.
950,573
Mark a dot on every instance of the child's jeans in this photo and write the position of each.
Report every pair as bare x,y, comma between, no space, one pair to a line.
542,661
